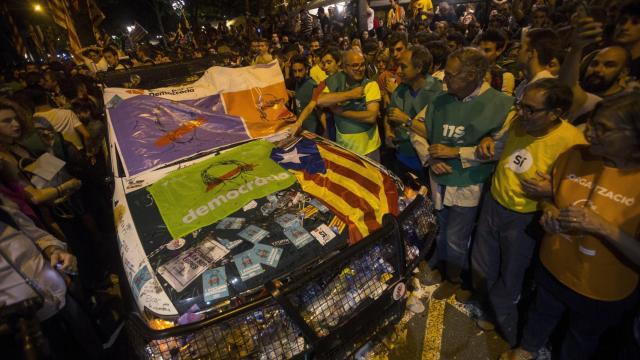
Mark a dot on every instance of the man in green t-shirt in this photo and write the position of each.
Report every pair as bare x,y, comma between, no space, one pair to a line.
416,91
354,101
304,86
455,122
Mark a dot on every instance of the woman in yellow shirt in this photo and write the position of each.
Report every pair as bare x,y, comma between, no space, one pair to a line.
591,251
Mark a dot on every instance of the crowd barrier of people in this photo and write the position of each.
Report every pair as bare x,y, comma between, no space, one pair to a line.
525,128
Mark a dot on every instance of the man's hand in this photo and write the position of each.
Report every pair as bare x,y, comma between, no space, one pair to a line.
291,93
585,31
486,149
67,260
439,167
537,188
356,93
439,151
397,116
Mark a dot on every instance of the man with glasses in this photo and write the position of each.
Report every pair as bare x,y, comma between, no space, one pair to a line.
455,123
354,101
508,223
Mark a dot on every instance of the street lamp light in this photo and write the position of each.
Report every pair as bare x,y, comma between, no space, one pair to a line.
37,7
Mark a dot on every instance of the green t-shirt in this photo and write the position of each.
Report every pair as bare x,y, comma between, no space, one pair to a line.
338,83
455,123
304,92
410,103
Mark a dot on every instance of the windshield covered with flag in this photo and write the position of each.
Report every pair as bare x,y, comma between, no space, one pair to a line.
201,232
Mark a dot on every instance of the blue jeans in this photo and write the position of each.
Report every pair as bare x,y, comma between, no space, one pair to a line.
504,244
454,236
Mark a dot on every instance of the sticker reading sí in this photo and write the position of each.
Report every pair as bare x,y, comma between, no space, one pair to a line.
209,191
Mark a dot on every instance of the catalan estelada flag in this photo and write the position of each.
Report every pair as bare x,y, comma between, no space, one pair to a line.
355,190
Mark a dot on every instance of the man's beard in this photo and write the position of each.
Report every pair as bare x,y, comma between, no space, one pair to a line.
596,84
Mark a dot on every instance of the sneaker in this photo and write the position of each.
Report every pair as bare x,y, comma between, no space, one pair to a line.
445,290
433,277
485,325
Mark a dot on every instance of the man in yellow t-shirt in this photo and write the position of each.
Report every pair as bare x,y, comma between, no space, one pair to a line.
508,229
354,101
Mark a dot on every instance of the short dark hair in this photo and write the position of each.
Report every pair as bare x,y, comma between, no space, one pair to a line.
541,8
334,52
556,93
423,37
630,8
300,59
472,60
495,36
370,46
457,37
546,43
396,37
421,58
39,97
439,51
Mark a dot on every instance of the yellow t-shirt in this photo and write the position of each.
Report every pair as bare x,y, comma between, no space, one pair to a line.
371,92
523,156
424,5
317,74
586,264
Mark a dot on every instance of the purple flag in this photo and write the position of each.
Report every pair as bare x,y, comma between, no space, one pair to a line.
152,131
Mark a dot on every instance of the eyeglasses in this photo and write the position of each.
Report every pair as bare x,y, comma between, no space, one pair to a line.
355,66
528,110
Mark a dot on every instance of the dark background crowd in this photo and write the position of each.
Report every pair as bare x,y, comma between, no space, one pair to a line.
555,78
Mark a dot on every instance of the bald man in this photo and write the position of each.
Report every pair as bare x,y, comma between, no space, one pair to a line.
606,74
354,101
607,71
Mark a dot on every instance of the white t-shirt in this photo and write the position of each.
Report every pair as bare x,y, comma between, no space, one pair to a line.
65,122
370,15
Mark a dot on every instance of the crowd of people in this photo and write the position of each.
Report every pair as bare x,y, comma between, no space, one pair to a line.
525,128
